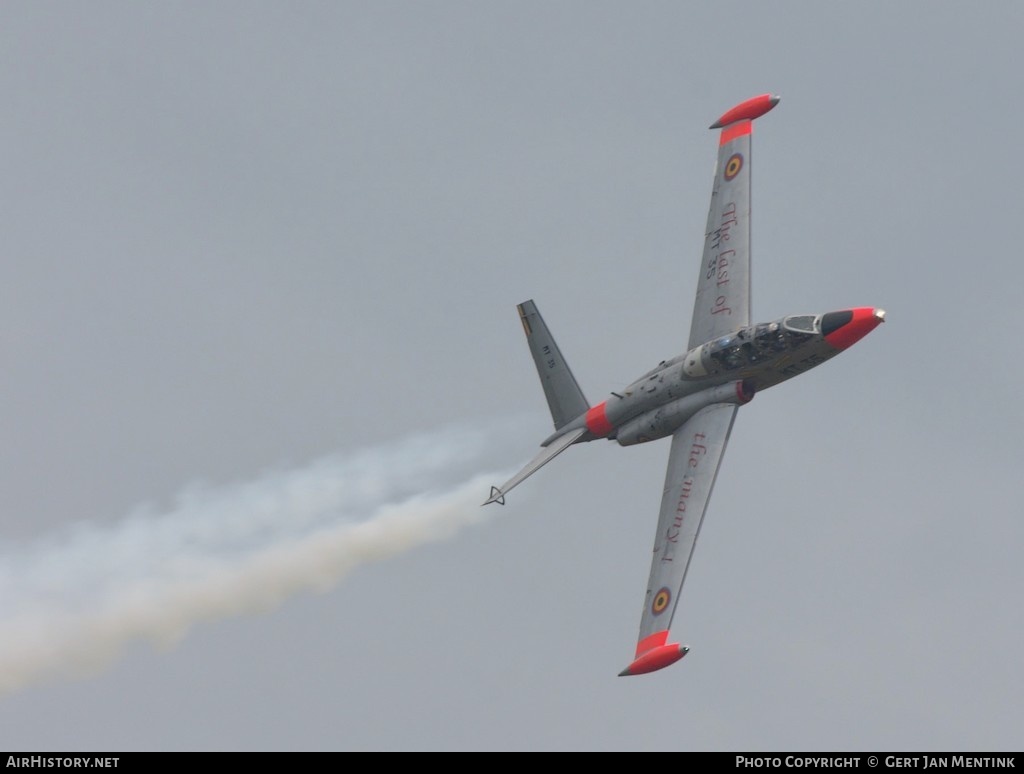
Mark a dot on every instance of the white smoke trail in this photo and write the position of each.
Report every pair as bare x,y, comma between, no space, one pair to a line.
70,602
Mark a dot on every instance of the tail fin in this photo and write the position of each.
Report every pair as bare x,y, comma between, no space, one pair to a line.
565,398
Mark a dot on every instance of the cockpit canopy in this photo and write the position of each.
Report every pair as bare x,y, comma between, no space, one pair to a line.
758,343
802,323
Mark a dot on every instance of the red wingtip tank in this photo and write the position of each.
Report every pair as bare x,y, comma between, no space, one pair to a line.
653,653
655,659
755,107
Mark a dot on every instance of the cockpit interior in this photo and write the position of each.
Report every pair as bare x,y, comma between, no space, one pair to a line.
757,343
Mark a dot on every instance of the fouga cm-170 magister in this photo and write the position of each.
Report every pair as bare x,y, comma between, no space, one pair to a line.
693,397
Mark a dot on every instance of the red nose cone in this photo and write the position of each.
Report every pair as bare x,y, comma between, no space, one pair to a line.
846,328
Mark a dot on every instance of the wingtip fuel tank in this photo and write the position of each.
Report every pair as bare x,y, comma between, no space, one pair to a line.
655,659
748,110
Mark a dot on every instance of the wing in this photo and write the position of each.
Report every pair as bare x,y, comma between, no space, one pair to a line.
723,285
693,461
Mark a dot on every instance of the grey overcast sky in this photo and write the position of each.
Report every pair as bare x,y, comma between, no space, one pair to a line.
243,238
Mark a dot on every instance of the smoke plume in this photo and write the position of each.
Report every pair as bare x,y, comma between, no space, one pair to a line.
69,602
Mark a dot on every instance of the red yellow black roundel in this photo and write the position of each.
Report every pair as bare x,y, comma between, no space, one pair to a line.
733,166
661,600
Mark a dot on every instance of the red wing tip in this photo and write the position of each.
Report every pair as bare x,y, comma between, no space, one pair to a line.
755,107
655,659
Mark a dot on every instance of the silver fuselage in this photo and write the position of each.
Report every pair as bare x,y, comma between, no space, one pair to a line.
753,358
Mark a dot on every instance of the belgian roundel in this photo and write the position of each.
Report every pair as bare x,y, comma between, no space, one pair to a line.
661,600
733,166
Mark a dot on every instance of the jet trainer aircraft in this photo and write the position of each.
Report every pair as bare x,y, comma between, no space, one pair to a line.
693,397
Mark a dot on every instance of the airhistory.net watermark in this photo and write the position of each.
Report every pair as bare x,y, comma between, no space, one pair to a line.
48,761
